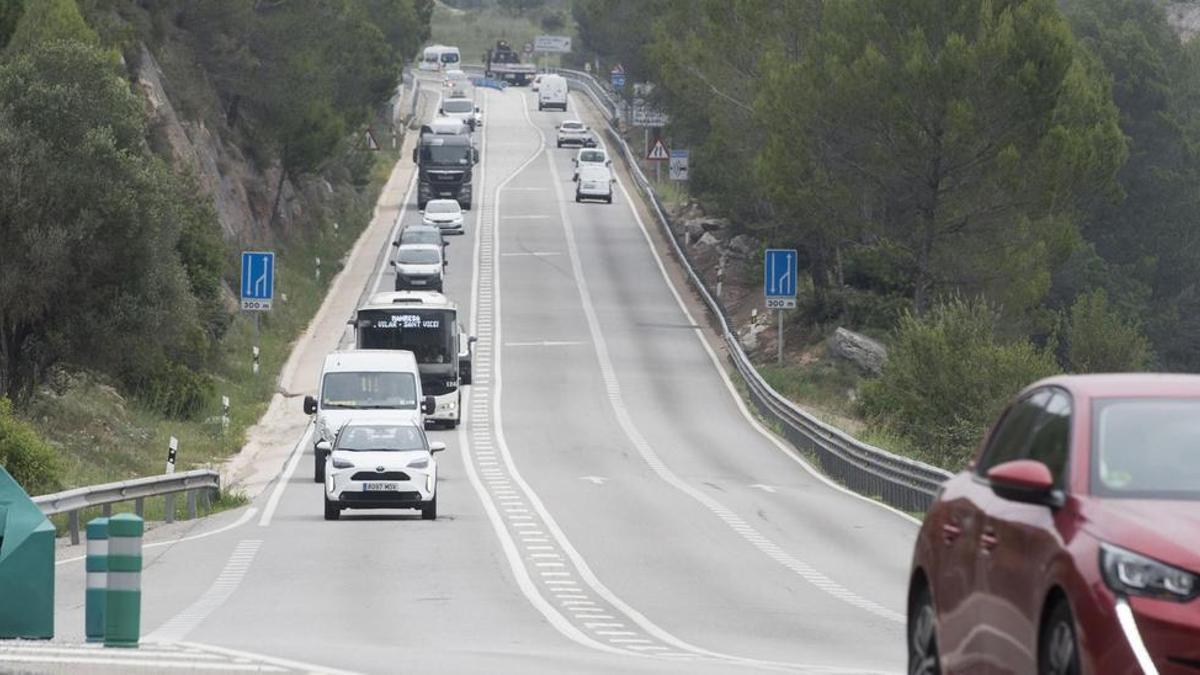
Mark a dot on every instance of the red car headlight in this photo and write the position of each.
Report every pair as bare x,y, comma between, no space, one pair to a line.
1130,573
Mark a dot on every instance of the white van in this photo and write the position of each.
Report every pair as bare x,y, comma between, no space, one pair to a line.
552,92
380,385
439,57
595,182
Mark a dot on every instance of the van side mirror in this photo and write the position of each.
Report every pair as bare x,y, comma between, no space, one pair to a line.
429,405
310,405
474,156
396,243
414,155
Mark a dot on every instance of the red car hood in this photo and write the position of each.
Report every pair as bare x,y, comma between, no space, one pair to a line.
1165,530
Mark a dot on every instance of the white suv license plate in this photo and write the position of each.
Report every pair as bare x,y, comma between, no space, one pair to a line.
381,487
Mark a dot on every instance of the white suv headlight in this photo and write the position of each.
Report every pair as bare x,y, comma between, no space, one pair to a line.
1130,573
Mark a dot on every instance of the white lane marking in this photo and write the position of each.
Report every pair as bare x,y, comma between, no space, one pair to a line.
788,451
97,648
527,189
274,660
242,520
507,543
127,660
625,421
547,343
525,217
594,480
285,477
764,488
221,590
535,254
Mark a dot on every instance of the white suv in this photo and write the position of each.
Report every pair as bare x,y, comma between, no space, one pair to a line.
377,465
574,132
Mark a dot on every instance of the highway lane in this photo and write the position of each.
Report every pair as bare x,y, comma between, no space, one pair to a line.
596,513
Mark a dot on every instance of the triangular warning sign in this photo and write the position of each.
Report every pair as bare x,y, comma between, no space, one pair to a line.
618,69
369,140
658,151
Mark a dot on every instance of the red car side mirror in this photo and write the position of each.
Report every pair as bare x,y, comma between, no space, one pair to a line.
1024,480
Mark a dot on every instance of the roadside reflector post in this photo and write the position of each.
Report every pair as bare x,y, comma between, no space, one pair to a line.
224,414
123,595
255,365
318,268
169,500
97,579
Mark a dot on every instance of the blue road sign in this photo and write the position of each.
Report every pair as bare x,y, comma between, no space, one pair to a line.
779,278
618,80
258,280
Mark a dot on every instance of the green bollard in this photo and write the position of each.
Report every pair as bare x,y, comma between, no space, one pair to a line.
97,579
123,596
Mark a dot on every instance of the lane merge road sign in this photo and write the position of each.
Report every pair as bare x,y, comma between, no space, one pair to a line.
658,151
618,76
779,278
258,280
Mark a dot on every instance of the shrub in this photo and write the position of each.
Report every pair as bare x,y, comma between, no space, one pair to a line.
948,375
174,390
29,459
1100,340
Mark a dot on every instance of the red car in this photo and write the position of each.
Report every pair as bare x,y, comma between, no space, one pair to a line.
1072,542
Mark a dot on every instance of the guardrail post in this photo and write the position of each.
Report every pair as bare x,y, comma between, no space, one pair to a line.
123,596
106,510
191,504
73,526
169,508
96,567
139,507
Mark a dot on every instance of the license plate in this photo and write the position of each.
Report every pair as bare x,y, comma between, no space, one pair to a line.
381,487
418,282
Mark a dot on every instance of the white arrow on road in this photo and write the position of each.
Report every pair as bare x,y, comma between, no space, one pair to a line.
764,488
595,480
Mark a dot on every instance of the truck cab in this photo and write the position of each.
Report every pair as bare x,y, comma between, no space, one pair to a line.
445,167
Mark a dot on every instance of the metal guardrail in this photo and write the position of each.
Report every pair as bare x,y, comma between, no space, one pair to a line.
200,483
901,482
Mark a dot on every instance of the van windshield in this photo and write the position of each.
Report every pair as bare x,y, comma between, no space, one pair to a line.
369,390
458,105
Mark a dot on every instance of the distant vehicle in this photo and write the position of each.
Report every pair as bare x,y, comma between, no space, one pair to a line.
422,234
444,214
574,132
595,182
445,166
590,157
448,126
1071,544
464,109
419,267
504,63
364,385
373,465
455,77
426,324
537,81
553,93
439,57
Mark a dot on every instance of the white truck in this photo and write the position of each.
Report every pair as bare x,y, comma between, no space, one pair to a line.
382,385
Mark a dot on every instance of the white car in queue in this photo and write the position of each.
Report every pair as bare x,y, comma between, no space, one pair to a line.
419,267
381,465
590,157
595,182
574,132
444,214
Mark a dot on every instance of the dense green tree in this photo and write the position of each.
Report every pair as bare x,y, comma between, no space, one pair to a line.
89,224
45,20
1100,340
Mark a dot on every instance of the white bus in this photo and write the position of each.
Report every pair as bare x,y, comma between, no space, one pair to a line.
439,57
426,324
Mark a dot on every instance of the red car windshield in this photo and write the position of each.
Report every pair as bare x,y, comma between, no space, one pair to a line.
1146,448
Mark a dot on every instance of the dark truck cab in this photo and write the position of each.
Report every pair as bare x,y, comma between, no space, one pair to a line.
445,167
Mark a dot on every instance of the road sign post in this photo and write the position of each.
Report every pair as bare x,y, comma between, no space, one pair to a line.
780,268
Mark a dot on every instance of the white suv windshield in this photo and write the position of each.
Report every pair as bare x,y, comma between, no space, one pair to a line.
380,438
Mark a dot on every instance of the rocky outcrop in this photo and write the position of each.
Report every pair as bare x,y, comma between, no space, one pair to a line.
869,355
743,246
1185,18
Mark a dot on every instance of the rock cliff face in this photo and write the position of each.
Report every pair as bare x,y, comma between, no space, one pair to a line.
242,192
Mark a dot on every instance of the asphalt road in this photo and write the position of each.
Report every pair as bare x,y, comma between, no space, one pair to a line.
608,506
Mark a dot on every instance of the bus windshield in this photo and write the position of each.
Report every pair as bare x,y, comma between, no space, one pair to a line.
368,390
428,333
